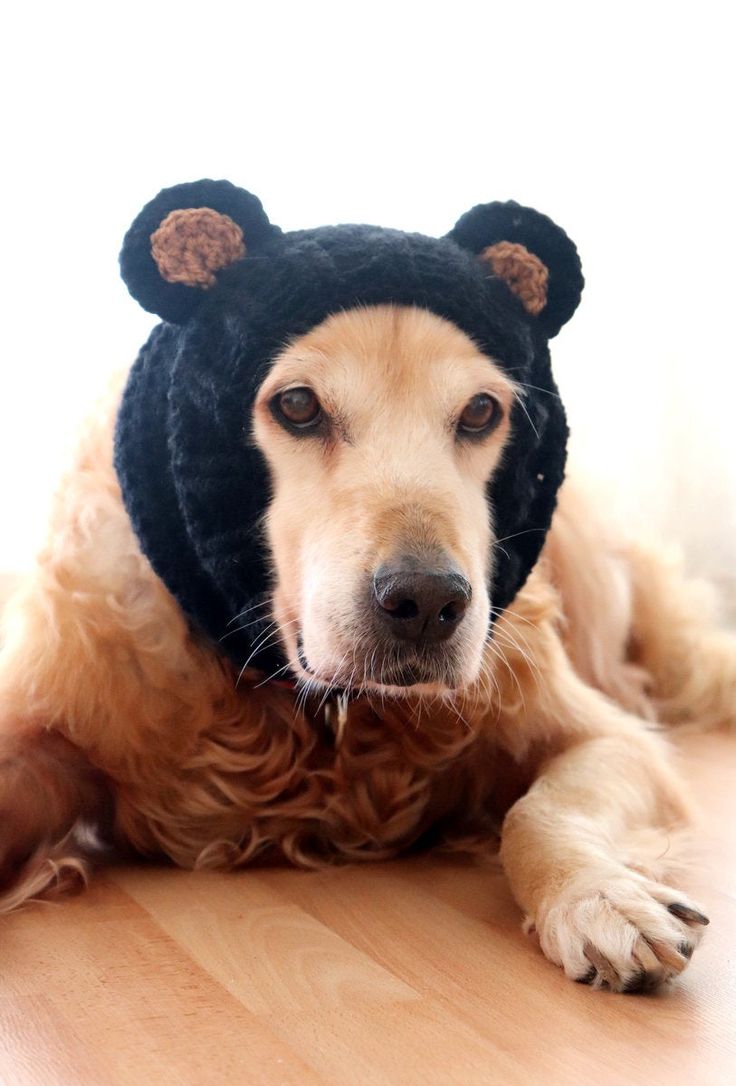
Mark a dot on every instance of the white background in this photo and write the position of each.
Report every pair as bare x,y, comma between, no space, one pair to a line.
616,120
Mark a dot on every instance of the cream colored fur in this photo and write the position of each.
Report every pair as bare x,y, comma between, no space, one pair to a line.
114,717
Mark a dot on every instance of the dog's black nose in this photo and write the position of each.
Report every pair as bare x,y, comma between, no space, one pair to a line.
420,604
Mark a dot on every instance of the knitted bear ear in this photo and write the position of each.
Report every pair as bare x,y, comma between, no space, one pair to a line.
182,238
532,254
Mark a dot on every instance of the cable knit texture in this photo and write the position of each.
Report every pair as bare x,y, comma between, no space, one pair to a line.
195,487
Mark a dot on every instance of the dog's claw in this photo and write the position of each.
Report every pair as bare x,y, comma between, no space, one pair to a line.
670,957
684,912
603,967
641,983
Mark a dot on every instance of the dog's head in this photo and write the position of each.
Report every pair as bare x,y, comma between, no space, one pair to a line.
346,443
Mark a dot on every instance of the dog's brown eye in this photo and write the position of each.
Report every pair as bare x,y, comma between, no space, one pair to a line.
480,415
299,406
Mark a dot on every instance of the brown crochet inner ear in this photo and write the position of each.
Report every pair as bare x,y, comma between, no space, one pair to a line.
192,243
524,273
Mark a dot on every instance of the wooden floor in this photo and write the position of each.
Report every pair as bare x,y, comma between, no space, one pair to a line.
411,972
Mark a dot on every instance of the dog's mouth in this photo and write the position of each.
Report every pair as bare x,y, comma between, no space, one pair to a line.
417,673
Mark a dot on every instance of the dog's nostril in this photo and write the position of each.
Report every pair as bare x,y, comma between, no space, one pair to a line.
401,608
452,612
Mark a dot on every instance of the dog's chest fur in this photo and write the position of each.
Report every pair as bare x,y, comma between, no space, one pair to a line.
271,782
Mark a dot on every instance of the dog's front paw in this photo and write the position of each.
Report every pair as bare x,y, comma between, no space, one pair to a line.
628,934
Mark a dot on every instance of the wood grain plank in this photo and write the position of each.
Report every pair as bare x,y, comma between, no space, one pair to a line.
249,915
346,1014
113,1000
39,1045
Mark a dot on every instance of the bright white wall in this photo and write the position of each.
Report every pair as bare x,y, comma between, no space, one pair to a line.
617,120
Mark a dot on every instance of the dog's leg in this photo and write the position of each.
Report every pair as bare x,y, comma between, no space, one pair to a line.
584,848
48,792
675,637
572,850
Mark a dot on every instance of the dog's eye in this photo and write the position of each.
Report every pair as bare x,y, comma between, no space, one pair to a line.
299,407
480,416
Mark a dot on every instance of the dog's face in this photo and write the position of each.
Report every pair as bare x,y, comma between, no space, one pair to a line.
381,428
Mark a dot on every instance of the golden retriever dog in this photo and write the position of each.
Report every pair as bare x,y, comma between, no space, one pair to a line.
398,720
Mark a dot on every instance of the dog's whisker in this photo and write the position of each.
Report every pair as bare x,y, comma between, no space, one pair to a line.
498,652
537,388
515,535
266,602
245,626
520,400
503,630
263,632
332,686
268,637
513,615
449,698
272,676
508,639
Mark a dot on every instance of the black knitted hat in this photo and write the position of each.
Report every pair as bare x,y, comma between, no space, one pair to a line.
232,290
